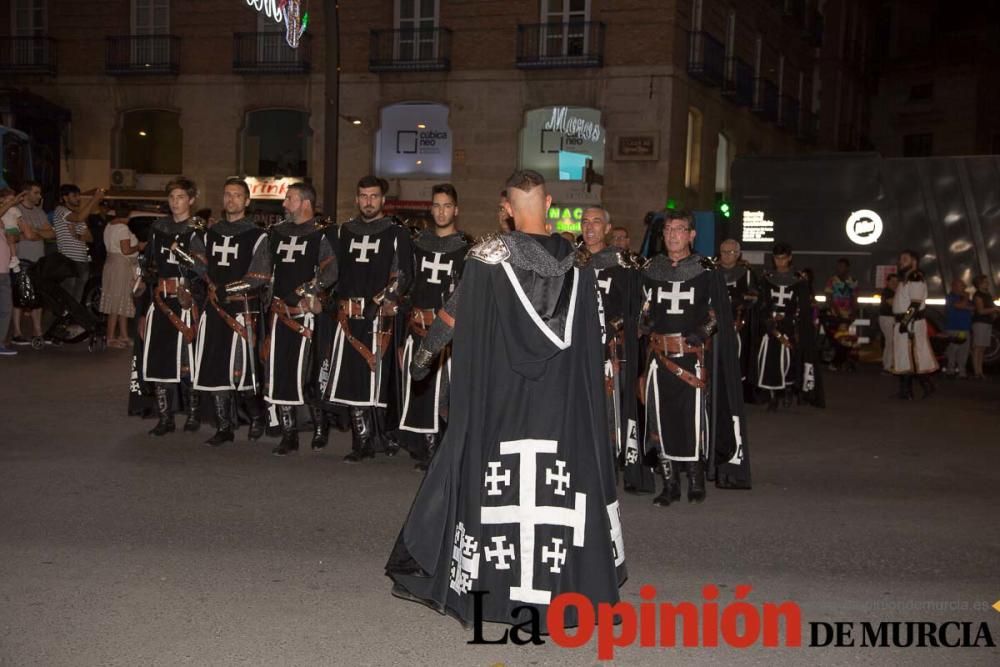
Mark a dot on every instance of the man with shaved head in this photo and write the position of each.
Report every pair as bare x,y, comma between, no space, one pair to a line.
618,298
525,460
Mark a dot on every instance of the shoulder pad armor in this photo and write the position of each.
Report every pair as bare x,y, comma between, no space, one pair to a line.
916,277
582,256
631,260
708,264
490,249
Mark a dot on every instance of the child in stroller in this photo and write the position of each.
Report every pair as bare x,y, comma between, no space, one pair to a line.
72,322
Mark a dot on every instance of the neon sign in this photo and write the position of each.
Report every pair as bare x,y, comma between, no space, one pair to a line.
290,12
757,228
566,218
864,227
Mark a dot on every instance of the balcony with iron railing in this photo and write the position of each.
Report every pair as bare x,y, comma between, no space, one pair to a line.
410,50
560,44
765,102
788,113
809,127
706,58
738,84
27,55
269,53
143,54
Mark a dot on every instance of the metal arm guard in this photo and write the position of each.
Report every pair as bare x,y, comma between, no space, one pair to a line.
238,288
704,331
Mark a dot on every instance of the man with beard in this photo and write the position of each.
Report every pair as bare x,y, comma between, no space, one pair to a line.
375,260
742,285
519,504
438,257
617,282
169,336
235,261
304,267
912,354
786,359
692,390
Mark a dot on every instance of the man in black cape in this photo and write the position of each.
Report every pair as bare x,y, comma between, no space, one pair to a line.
691,386
438,258
787,360
742,283
519,502
618,307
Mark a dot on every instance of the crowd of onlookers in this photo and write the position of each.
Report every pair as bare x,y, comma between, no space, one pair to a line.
26,228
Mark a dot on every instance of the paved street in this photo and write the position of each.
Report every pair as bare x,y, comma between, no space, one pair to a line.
120,549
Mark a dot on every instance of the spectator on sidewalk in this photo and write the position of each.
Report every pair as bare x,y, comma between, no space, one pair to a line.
958,325
117,280
7,254
72,234
982,323
33,228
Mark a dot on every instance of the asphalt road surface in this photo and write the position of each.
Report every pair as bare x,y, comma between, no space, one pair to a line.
121,549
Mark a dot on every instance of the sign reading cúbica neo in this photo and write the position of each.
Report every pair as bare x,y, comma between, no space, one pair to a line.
290,12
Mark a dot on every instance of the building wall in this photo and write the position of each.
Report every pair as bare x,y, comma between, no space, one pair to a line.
643,87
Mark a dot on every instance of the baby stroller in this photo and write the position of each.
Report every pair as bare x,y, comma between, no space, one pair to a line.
72,322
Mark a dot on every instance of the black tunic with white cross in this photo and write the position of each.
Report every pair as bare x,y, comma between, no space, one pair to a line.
784,300
679,299
369,255
300,253
230,251
437,264
166,355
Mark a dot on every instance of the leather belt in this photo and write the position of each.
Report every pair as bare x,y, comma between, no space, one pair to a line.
665,346
168,286
674,345
420,320
353,308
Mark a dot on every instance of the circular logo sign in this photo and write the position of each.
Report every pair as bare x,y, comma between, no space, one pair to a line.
864,227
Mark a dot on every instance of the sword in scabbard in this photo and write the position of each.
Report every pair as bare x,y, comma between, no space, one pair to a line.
379,300
242,289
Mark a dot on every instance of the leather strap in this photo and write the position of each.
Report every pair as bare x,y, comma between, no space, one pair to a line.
185,330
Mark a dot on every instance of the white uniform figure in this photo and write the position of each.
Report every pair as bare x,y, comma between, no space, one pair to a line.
912,354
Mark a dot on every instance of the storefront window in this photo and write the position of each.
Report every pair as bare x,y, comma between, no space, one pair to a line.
560,143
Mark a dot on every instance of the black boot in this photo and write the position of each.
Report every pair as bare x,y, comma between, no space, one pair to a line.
320,427
223,419
193,399
166,416
289,431
389,446
772,402
696,481
788,397
671,488
905,388
431,441
361,436
256,414
926,385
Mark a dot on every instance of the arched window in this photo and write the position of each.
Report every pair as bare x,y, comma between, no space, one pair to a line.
276,142
150,141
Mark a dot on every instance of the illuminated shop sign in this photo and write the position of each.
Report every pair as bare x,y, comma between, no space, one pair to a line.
558,142
267,187
757,228
290,12
566,218
864,227
413,141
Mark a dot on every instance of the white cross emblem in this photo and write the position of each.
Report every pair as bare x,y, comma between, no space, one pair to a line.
556,554
632,443
226,250
493,479
527,514
435,267
171,257
464,561
291,248
605,285
501,553
783,296
675,296
617,537
561,478
364,247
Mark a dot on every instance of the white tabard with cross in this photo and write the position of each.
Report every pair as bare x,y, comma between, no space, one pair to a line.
225,250
528,515
436,267
290,248
782,296
675,296
364,246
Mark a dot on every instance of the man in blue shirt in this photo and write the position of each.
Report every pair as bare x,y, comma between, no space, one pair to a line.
958,323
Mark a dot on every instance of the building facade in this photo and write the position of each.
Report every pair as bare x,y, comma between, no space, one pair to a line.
633,104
